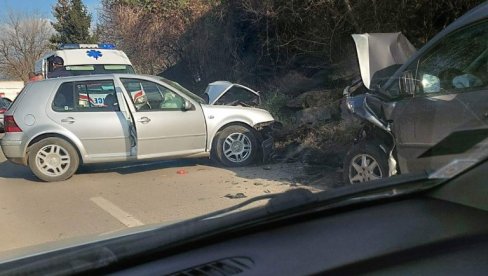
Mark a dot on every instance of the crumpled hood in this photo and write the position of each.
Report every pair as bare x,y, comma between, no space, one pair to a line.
217,89
376,51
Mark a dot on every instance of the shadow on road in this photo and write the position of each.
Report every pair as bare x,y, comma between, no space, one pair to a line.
10,170
142,166
280,172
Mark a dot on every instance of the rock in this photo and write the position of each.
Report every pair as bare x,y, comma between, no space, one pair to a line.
313,115
312,99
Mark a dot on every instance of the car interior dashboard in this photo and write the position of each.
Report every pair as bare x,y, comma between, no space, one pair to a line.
439,232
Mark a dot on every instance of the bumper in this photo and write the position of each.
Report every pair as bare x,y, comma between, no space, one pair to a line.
13,151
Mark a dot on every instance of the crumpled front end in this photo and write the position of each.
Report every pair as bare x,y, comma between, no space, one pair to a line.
377,51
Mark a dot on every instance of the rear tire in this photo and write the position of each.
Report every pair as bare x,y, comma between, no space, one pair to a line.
364,162
235,146
53,159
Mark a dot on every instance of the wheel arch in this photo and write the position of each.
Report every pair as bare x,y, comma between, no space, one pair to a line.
212,139
52,135
372,134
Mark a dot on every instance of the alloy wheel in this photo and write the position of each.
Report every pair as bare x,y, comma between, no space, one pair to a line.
364,167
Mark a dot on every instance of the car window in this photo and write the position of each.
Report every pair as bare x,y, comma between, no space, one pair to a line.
92,96
457,63
238,95
150,96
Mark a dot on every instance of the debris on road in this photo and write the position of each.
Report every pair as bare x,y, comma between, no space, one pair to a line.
181,171
236,196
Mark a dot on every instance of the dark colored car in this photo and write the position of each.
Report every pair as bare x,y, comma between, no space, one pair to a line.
4,104
438,95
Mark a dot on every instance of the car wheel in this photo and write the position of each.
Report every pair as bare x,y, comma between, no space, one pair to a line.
235,146
53,159
365,162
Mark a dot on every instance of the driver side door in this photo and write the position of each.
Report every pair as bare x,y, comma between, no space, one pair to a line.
451,95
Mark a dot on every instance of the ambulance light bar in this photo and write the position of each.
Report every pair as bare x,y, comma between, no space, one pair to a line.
86,46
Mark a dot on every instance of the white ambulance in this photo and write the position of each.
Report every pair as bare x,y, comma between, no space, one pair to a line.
86,59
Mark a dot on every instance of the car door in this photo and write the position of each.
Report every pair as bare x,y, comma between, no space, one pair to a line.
164,127
90,110
451,95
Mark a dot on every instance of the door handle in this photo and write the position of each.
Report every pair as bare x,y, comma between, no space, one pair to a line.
144,120
68,120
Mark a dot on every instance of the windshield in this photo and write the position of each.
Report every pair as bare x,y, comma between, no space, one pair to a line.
182,90
229,103
78,70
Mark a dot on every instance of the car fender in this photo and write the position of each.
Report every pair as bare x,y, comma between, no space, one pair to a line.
44,131
217,117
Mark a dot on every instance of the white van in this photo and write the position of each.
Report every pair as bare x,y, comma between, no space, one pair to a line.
86,59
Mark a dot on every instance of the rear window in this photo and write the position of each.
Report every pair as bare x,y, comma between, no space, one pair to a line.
91,96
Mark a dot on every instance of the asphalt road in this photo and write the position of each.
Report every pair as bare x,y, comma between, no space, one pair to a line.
106,198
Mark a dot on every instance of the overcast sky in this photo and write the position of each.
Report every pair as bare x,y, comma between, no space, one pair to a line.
44,7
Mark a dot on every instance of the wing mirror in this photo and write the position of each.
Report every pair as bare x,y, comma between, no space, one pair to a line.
431,84
408,84
187,106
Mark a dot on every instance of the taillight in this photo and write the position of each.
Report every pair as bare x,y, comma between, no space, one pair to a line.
10,125
2,110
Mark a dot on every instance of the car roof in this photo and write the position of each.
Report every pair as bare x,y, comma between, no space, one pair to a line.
99,77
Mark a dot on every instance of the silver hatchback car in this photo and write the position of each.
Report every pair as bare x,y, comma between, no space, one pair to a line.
55,125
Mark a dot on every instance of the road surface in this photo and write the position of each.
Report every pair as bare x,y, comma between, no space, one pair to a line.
107,198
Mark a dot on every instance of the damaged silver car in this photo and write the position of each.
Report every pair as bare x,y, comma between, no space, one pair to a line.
420,109
55,125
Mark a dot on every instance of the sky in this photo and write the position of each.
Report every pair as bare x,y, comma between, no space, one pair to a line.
44,7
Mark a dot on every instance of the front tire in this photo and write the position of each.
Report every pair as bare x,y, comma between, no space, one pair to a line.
53,159
365,162
235,146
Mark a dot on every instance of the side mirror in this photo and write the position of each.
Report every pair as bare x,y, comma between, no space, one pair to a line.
408,83
431,84
187,106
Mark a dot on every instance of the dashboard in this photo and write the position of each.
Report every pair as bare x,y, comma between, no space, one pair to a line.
414,235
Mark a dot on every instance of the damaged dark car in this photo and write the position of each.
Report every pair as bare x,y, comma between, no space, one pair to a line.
411,100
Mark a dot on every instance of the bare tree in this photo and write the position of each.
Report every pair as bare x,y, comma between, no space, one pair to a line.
23,40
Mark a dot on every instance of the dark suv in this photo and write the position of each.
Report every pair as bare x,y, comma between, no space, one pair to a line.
432,108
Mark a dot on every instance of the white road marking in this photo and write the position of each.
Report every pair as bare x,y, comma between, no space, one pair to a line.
122,216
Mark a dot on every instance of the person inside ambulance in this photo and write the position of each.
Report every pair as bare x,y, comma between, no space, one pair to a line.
58,69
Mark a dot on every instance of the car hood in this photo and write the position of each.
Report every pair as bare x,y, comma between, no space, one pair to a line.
377,51
216,89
